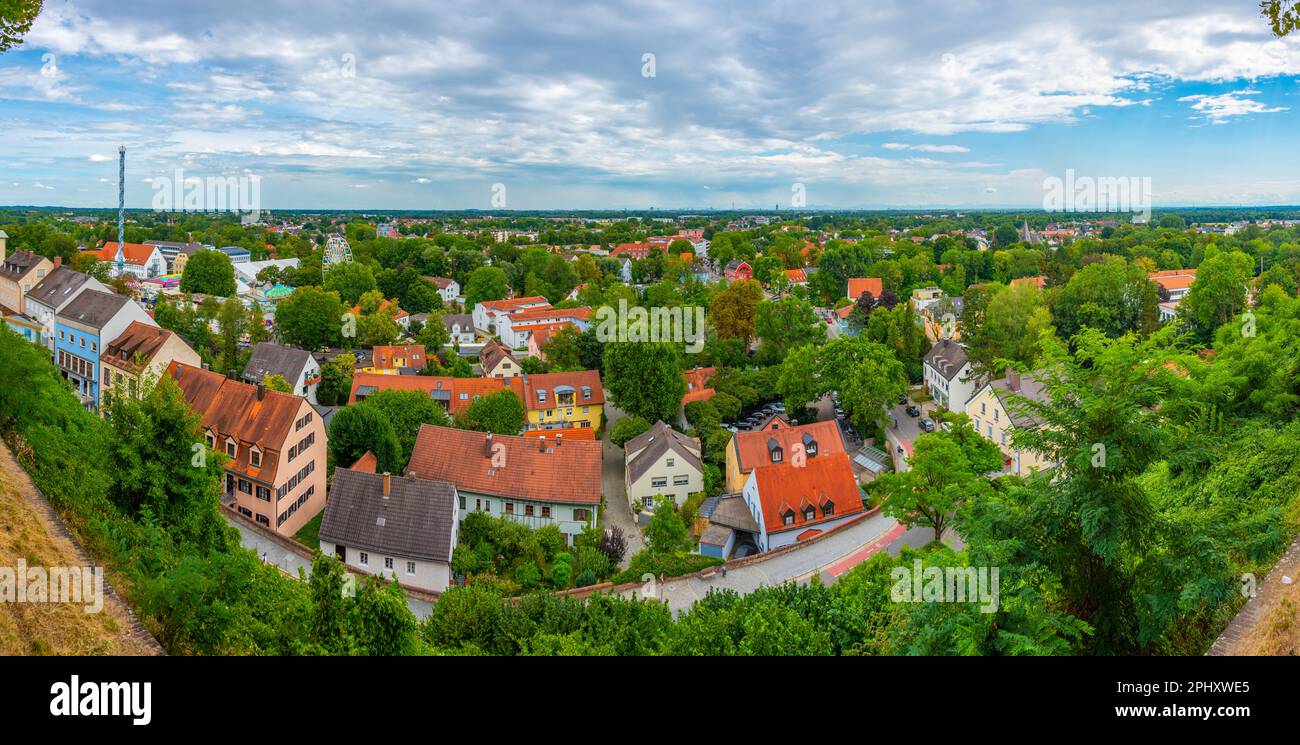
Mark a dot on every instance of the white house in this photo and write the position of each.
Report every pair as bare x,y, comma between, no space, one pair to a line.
947,375
661,462
52,294
792,502
461,328
142,260
399,527
298,368
448,289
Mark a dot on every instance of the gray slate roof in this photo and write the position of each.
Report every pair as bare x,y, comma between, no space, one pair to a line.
273,359
57,287
94,308
415,521
947,357
646,449
19,264
1026,386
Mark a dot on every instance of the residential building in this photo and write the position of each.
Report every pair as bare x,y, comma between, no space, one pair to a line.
1176,283
448,289
496,361
20,272
395,527
727,527
777,442
402,359
141,260
171,249
533,481
797,277
792,503
563,400
176,264
139,357
455,394
461,328
946,372
275,444
661,462
697,384
237,254
82,328
738,270
994,414
514,329
298,368
402,318
486,314
52,294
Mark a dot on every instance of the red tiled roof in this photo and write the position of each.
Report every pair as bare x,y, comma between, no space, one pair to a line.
751,447
549,382
532,469
387,356
139,339
697,384
859,285
797,276
1174,279
368,463
233,410
789,488
571,433
510,305
543,315
134,253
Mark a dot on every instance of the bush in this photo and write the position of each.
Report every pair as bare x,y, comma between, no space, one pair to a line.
586,578
669,565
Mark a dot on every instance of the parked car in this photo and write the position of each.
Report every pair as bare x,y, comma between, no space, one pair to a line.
926,425
902,399
913,411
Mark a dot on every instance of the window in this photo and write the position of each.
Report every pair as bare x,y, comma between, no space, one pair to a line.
661,481
997,414
581,515
230,448
788,518
828,509
510,508
989,430
681,480
982,407
672,462
410,567
82,342
647,502
388,562
264,494
528,510
255,459
246,512
546,511
263,519
810,514
365,558
1004,436
212,441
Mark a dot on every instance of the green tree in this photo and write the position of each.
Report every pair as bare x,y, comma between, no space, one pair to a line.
350,280
1010,327
16,17
209,273
485,283
785,324
665,533
1218,294
734,310
277,383
356,429
310,318
406,411
644,379
940,480
501,413
627,428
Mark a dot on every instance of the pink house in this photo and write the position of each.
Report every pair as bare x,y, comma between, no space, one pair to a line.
275,444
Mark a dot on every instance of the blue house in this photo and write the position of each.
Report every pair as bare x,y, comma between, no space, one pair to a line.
82,329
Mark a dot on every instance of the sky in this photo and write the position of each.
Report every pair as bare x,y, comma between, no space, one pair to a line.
419,105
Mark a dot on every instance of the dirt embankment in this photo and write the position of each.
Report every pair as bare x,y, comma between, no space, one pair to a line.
32,534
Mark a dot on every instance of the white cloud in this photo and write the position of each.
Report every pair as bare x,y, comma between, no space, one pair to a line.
1219,109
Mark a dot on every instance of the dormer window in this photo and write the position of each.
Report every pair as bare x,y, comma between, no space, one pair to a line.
255,458
809,445
788,517
231,448
541,396
212,441
810,514
828,508
774,451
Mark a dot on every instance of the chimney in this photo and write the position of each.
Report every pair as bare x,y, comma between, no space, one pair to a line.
388,483
261,391
58,261
487,446
1013,380
541,444
559,440
230,374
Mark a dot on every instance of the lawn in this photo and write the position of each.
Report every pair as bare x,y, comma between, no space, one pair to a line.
307,534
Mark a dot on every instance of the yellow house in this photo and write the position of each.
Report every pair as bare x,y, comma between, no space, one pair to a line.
562,400
994,417
392,360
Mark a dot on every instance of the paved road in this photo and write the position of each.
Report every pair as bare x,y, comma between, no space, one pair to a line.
617,512
852,544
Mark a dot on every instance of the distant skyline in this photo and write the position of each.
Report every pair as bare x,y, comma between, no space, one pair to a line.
409,105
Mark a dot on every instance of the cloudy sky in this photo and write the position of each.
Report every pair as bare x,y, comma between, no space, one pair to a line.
412,104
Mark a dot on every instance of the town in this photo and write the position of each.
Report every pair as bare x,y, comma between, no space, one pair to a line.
398,332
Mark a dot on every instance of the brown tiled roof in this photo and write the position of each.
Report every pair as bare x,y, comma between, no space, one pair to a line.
368,463
416,520
543,470
752,447
790,488
19,264
232,409
859,285
648,447
139,341
492,353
